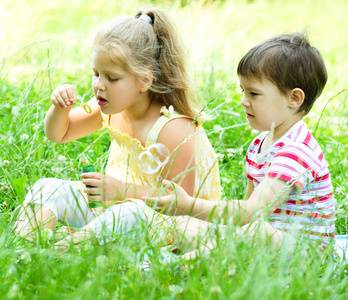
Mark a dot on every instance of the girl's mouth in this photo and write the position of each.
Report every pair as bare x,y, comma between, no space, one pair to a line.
102,102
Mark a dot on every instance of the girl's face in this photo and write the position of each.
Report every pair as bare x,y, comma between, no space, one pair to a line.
115,89
264,104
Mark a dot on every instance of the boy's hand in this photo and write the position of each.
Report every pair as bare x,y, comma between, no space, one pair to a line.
104,188
178,202
63,96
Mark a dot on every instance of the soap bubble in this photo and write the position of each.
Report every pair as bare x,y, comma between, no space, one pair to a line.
153,158
160,152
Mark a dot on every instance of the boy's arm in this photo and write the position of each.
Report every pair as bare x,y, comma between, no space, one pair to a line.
249,189
266,197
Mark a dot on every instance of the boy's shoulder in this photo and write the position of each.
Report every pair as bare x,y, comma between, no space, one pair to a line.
300,145
300,134
298,139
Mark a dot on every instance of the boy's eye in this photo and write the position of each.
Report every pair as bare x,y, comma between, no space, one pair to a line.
253,94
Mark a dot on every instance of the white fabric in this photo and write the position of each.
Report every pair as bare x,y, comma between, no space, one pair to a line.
63,199
341,247
126,220
68,205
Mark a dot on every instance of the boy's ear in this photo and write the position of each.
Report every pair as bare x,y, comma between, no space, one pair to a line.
146,81
296,98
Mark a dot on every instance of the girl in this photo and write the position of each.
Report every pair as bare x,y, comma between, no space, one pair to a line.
142,95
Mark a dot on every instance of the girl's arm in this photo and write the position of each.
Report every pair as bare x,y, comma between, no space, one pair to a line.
63,124
269,194
182,157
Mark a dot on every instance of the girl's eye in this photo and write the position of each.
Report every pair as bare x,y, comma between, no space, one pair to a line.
113,79
253,94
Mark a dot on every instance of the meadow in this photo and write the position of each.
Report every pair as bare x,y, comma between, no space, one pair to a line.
47,43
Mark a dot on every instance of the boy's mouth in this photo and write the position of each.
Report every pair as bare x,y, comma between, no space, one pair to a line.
249,116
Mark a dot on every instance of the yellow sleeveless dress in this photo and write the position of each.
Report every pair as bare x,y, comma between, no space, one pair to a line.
123,165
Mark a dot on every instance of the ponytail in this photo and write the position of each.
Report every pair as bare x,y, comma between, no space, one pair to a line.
150,42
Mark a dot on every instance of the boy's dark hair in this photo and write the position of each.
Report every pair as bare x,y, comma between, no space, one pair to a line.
289,61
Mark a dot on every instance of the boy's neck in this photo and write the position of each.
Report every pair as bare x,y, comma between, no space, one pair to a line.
277,133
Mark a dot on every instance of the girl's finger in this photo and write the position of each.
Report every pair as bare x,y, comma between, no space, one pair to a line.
63,93
94,175
158,199
56,98
95,198
92,191
92,182
70,93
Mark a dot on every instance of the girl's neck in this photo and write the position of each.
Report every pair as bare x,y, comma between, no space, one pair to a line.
137,127
139,111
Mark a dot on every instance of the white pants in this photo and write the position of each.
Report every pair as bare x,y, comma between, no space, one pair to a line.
68,205
341,247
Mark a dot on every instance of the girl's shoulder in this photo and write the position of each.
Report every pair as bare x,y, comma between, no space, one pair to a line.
171,124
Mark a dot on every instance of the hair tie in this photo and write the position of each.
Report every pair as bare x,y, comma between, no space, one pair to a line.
145,18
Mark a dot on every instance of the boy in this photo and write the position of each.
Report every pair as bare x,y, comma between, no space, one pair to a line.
288,177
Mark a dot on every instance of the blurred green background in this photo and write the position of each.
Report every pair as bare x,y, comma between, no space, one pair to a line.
47,43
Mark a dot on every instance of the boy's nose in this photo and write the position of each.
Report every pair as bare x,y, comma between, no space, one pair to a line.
244,101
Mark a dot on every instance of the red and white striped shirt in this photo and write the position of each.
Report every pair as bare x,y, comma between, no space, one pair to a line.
297,158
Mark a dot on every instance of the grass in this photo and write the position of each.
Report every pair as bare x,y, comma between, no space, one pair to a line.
47,43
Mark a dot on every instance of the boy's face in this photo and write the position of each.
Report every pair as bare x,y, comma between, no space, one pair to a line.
264,104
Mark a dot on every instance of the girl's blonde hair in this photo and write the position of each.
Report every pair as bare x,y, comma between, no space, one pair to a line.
138,46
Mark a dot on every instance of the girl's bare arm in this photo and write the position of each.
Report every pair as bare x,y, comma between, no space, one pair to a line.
180,167
63,124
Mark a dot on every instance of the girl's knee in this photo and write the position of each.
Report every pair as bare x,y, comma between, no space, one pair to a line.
38,185
253,226
129,209
43,182
182,221
186,223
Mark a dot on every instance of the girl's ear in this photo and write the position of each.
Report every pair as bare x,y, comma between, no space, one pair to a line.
296,98
146,81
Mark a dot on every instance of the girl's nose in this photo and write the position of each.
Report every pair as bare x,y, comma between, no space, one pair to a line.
98,83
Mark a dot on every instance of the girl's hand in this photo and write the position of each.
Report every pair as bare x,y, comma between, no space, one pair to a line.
104,187
178,202
63,96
